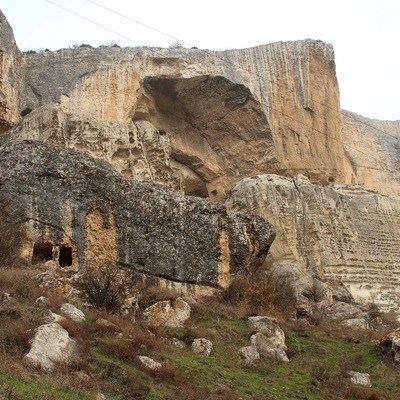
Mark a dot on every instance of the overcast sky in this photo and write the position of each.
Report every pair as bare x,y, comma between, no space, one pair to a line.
365,34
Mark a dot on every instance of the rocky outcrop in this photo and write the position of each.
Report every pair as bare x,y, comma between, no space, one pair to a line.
137,150
79,210
372,149
10,77
229,115
343,231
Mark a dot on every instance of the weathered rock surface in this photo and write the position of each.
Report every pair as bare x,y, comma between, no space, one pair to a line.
390,346
149,363
72,312
202,346
343,232
51,345
249,354
10,77
372,148
359,378
137,150
173,313
228,114
78,209
268,341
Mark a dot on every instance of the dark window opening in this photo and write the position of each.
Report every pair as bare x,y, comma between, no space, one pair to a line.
42,252
65,258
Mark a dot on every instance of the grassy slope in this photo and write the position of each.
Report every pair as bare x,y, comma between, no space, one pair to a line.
319,355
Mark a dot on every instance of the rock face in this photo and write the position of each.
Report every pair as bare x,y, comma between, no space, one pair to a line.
78,210
137,150
372,148
341,231
228,114
10,77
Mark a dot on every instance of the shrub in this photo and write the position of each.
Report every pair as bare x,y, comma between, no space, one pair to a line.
106,287
178,44
262,293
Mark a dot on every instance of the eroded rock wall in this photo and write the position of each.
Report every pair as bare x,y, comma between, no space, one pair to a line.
68,199
231,114
372,148
137,150
343,231
10,77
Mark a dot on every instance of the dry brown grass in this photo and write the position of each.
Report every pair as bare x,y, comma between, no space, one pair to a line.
20,283
262,293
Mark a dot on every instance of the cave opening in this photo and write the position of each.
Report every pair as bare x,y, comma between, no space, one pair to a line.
65,257
42,252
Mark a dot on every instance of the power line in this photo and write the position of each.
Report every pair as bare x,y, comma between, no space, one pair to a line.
93,22
225,60
138,22
233,64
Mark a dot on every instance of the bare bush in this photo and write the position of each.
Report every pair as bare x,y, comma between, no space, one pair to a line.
105,287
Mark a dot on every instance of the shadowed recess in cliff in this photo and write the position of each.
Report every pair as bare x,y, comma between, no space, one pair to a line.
213,124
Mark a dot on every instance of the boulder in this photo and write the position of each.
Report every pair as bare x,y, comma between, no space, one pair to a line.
361,323
389,345
269,347
342,310
51,345
73,312
359,378
249,354
269,328
202,346
50,317
172,313
149,363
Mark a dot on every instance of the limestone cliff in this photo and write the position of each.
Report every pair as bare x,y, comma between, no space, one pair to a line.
343,231
10,77
137,150
372,148
79,210
229,115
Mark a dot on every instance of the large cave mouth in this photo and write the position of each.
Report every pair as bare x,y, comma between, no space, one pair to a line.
216,127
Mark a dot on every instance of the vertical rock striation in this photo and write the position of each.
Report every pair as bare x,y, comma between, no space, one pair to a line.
372,148
10,77
278,104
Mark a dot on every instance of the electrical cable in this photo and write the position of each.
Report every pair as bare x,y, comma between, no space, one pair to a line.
222,59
